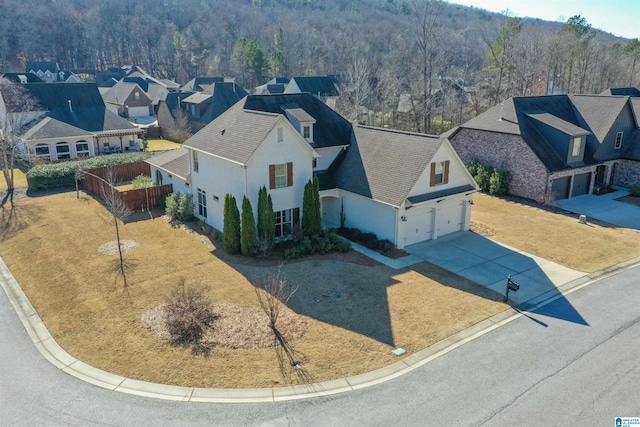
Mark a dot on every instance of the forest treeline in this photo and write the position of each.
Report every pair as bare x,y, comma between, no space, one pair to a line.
446,62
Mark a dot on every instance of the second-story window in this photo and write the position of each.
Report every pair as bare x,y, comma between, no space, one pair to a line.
280,135
195,161
577,145
137,96
618,140
439,173
281,175
306,132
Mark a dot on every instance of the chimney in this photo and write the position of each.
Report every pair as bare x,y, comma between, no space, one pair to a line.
70,108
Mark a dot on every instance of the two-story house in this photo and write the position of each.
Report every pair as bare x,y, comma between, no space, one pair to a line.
557,146
401,186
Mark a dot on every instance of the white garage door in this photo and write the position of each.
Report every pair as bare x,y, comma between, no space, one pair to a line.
450,219
417,228
138,111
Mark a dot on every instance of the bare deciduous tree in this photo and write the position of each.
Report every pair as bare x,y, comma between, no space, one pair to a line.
119,212
181,126
273,293
17,106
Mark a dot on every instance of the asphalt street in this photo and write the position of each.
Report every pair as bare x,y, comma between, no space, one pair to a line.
572,362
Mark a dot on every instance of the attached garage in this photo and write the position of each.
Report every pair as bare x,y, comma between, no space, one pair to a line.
581,184
450,219
138,111
417,226
560,188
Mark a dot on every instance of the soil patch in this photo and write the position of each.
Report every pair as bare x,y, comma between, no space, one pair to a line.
111,248
631,200
236,327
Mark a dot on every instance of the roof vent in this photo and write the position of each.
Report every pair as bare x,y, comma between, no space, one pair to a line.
222,132
70,109
501,108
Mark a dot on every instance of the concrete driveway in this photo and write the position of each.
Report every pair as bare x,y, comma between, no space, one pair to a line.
489,263
604,207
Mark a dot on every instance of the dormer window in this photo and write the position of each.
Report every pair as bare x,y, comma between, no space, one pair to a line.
577,145
137,96
618,141
306,132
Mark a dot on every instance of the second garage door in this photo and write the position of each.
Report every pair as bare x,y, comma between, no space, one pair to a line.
417,227
449,219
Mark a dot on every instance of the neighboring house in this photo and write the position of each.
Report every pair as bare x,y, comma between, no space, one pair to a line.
325,88
22,78
200,84
403,187
127,99
275,86
557,146
200,108
120,96
50,72
71,121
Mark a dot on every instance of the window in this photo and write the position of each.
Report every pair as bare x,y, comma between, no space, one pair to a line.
281,175
577,145
132,141
286,221
195,161
280,135
62,151
137,96
202,203
82,148
618,140
306,132
314,163
193,110
42,151
158,177
439,173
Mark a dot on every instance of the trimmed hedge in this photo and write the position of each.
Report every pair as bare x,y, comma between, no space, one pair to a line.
62,174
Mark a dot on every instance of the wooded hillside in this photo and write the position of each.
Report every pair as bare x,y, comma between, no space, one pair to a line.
450,61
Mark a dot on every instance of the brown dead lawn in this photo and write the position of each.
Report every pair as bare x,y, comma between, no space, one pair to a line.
356,314
554,236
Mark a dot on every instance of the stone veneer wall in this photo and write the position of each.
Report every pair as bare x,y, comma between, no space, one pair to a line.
528,174
627,173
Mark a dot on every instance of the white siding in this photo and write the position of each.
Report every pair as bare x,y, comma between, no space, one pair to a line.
293,148
458,175
370,216
217,177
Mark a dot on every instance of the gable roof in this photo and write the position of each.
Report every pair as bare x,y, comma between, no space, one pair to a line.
120,91
519,116
50,66
174,161
599,113
235,135
198,84
218,97
330,128
385,164
317,85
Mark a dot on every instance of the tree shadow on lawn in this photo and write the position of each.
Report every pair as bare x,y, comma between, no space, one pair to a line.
17,218
356,297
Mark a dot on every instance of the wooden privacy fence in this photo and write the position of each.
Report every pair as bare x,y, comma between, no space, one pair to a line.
94,182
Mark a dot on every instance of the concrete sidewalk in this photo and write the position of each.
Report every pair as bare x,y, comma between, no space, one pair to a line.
58,357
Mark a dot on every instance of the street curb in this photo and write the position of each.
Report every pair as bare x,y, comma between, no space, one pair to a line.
58,357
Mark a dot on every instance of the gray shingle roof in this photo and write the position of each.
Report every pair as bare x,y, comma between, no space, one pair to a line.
120,91
385,164
599,112
235,135
49,128
558,123
175,162
330,130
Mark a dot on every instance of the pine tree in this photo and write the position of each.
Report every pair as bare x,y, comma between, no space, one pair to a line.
231,232
266,221
248,235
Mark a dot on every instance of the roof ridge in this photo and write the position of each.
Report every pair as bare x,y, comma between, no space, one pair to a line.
402,132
